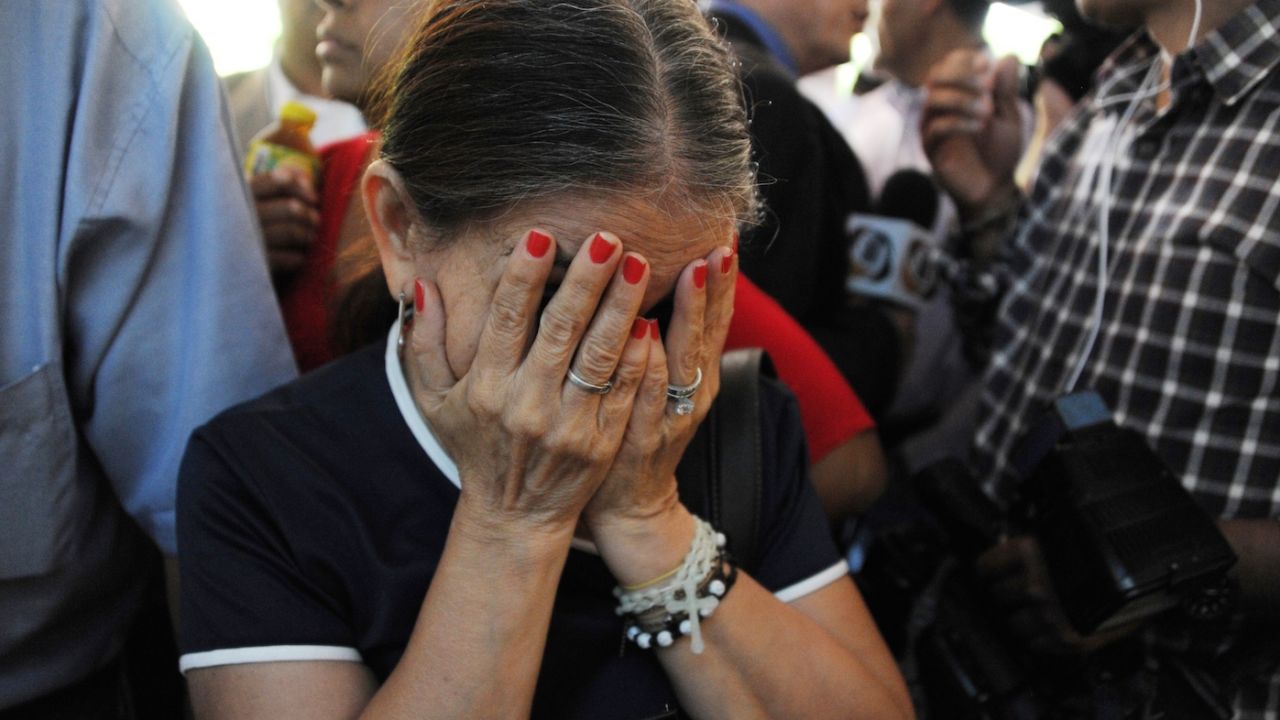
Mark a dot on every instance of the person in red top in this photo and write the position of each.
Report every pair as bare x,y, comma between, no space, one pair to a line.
309,298
848,468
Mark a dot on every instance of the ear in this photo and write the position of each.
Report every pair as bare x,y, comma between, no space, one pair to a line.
392,218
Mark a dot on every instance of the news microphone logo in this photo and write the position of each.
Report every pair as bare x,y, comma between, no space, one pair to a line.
891,253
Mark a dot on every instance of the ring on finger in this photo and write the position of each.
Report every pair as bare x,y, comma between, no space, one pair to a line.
590,387
683,394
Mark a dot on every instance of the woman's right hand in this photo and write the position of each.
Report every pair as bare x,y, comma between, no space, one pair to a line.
532,447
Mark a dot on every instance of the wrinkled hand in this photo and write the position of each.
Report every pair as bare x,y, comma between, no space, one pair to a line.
1018,581
287,208
641,483
972,127
532,447
636,518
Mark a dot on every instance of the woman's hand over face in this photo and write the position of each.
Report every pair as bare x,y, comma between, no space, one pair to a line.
641,488
531,446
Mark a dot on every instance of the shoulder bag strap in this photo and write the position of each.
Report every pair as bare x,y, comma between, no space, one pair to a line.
721,475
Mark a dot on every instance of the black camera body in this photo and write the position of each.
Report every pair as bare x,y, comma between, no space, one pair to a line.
1123,541
1122,538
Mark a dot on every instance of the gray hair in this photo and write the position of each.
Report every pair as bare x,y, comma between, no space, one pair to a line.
495,103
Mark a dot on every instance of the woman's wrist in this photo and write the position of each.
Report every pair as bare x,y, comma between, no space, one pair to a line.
638,549
508,532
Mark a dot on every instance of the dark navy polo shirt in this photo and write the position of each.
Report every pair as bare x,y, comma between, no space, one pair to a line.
311,520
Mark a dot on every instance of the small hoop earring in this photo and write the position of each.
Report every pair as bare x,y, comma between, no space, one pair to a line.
405,315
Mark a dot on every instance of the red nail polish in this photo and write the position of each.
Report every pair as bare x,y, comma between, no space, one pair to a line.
632,269
419,296
601,249
726,262
653,329
537,243
639,328
735,243
700,275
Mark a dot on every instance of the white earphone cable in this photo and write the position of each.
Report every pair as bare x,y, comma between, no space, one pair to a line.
1105,172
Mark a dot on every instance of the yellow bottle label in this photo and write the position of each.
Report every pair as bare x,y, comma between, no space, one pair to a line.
267,156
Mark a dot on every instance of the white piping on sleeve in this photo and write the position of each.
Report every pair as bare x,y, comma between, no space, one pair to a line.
266,653
814,582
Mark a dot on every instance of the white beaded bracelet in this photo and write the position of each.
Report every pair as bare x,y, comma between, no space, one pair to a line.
661,613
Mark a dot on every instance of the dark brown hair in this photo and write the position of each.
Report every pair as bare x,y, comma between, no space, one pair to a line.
496,103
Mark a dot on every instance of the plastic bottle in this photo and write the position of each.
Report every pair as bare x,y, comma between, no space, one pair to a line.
285,144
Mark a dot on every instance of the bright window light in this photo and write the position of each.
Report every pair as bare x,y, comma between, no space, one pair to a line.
240,33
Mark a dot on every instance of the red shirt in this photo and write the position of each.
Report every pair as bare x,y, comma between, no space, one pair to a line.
829,409
307,303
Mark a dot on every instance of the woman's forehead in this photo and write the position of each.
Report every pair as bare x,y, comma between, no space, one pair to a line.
668,238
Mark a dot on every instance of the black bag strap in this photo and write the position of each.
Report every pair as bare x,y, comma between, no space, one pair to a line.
721,476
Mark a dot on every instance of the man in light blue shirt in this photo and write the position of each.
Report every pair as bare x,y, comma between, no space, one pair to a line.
134,304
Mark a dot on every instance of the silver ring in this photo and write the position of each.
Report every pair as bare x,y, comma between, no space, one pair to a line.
589,386
683,394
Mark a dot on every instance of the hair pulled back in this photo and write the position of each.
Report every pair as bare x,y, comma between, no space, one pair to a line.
498,102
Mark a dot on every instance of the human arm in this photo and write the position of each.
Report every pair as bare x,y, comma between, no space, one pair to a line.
851,476
756,645
528,447
1018,580
169,311
1257,545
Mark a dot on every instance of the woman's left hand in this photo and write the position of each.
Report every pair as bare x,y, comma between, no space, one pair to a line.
635,517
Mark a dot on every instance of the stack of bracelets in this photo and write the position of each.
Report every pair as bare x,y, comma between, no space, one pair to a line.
658,612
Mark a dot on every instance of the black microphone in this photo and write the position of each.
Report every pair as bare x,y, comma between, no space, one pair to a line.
891,253
910,195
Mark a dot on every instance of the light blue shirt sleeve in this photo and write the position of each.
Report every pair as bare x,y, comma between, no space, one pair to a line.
144,273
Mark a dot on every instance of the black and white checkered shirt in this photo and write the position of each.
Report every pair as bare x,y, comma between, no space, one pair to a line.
1189,349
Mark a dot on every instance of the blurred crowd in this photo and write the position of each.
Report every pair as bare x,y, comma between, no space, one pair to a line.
1017,432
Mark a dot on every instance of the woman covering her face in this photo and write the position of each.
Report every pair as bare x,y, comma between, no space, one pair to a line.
480,517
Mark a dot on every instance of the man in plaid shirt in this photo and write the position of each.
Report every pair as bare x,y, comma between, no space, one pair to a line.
1179,148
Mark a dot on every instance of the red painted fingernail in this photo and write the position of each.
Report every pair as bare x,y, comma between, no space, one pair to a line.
726,262
639,328
735,243
419,296
632,269
538,243
700,275
653,329
600,249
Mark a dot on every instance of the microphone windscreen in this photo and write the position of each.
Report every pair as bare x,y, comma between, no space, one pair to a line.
910,195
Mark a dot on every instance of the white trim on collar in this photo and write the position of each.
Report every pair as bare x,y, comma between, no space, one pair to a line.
418,426
409,411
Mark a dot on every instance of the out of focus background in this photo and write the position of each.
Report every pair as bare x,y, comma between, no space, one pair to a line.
240,33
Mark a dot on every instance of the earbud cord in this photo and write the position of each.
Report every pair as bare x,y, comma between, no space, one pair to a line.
1105,171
